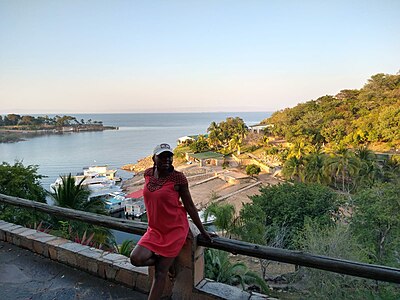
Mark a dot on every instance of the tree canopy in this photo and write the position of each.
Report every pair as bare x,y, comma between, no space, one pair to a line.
352,117
285,207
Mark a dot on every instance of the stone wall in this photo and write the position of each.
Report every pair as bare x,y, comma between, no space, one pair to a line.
188,284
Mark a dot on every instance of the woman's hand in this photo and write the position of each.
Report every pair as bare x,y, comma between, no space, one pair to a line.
209,235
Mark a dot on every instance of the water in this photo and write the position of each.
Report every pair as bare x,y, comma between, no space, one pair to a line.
137,135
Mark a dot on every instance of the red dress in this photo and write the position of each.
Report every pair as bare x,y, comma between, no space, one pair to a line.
168,223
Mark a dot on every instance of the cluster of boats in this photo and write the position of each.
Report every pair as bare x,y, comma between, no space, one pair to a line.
104,184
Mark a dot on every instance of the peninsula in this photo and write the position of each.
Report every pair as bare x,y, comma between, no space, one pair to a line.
15,128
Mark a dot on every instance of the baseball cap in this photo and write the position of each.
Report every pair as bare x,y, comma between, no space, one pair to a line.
162,148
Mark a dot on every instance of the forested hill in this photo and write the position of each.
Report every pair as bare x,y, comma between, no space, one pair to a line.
352,117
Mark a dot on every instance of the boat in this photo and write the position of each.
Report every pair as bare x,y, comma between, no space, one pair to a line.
206,221
94,177
114,201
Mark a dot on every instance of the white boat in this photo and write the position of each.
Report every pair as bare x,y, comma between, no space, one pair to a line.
95,177
206,221
114,201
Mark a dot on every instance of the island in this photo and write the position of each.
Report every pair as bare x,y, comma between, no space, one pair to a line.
15,128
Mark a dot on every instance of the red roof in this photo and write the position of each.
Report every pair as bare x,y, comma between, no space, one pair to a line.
135,195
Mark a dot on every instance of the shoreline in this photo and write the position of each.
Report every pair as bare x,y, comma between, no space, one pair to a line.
19,135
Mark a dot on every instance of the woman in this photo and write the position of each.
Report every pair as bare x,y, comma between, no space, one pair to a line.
168,224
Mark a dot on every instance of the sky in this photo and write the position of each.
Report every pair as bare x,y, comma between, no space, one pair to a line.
70,56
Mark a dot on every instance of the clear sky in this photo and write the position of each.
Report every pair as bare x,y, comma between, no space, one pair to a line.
70,56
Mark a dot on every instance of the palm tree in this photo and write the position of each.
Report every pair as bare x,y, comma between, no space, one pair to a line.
315,168
235,143
219,268
224,216
369,168
299,149
293,168
76,196
391,170
343,165
214,134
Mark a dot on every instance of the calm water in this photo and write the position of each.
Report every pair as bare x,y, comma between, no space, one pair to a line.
135,139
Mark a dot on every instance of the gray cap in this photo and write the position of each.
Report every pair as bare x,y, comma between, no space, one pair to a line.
162,148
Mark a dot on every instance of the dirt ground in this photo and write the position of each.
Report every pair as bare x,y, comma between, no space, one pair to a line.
214,188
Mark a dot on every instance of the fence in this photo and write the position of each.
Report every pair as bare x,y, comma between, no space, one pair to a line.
195,253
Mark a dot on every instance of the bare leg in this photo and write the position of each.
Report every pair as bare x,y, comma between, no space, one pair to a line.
141,256
161,271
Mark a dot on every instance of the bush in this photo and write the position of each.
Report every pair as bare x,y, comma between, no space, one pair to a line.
253,170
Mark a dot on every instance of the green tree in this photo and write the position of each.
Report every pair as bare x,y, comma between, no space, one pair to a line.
224,216
315,170
199,145
288,205
253,170
376,223
223,133
23,182
344,166
369,171
293,169
75,195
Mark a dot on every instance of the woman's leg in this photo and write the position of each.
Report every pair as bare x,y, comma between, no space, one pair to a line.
141,256
162,265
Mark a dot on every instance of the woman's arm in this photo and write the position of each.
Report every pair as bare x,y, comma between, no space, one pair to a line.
187,201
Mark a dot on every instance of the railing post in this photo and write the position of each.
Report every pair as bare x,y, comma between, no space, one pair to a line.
189,266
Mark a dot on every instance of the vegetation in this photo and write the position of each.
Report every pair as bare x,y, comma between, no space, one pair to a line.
25,122
227,135
224,215
284,209
376,223
219,268
253,170
21,181
74,195
14,128
350,118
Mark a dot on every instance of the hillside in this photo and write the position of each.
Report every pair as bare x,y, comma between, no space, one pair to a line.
352,117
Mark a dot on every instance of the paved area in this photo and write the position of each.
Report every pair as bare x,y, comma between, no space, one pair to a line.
25,275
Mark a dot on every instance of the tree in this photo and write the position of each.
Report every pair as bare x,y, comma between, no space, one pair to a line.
224,216
336,241
315,168
293,168
253,170
75,195
71,194
199,145
223,133
23,182
369,171
376,223
343,167
288,205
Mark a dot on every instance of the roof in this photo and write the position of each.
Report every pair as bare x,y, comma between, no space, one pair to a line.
135,195
206,155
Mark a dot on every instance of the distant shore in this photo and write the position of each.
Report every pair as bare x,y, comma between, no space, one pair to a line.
15,134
